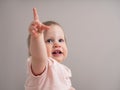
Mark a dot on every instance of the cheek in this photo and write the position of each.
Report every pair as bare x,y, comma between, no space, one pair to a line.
66,49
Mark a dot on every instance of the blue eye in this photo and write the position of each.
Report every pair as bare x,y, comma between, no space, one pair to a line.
61,40
49,41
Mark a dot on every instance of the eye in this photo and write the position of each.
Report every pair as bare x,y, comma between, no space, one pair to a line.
61,40
49,41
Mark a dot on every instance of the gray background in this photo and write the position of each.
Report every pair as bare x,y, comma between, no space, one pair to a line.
93,34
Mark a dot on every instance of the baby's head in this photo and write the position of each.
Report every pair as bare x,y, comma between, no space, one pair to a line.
55,41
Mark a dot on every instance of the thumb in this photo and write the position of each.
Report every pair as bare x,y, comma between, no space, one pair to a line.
45,27
42,27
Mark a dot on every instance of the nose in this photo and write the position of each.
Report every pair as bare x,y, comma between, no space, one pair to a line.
56,45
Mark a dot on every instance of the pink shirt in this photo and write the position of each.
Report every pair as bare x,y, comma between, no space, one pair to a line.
55,77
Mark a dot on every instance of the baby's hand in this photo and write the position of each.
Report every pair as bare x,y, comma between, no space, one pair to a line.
36,27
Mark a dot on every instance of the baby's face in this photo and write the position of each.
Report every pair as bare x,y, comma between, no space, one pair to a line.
55,43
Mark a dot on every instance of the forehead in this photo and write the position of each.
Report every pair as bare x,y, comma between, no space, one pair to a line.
54,30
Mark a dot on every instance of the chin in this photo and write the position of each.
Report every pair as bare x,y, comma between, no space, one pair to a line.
60,60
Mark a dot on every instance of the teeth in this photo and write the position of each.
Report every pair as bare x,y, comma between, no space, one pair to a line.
57,52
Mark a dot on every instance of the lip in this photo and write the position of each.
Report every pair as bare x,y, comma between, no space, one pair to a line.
57,53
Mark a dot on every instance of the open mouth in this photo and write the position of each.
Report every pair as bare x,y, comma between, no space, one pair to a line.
57,52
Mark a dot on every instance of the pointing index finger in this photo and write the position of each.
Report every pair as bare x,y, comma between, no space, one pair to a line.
35,14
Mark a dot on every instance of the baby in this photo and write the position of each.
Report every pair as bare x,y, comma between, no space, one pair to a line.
47,49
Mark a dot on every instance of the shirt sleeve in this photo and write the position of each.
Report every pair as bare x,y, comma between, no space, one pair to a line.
32,80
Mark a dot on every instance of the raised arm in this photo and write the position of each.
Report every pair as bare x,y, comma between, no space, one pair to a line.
37,45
